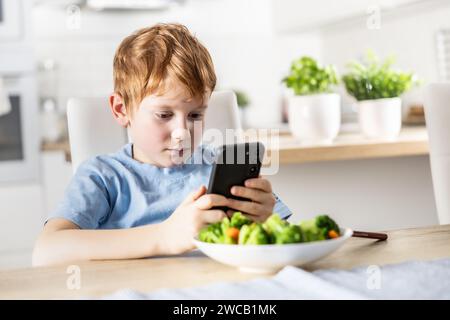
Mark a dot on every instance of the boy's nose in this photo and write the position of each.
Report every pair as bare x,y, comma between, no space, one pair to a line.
181,123
180,134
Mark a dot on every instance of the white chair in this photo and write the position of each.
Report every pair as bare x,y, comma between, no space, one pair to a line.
93,130
437,114
223,112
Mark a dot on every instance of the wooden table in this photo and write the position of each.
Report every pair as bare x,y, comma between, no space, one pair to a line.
104,277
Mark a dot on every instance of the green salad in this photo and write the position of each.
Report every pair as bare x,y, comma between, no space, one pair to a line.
241,230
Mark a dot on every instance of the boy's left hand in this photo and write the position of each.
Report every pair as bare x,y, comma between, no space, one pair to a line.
261,199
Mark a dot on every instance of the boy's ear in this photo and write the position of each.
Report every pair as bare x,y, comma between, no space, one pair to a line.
118,109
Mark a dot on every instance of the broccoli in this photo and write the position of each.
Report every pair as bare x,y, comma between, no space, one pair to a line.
257,235
281,231
226,237
275,224
238,220
230,227
244,234
290,234
212,233
310,231
219,232
320,228
329,227
241,230
224,224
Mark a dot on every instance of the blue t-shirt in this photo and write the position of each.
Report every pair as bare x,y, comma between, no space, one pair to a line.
116,191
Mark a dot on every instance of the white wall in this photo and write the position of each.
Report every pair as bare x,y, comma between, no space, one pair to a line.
248,55
378,194
408,33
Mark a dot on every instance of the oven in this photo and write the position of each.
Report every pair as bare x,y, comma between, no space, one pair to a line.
19,124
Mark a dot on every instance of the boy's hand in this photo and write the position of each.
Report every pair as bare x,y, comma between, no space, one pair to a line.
261,199
190,216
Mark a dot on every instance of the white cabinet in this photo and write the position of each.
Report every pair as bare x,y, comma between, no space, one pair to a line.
11,20
24,207
305,15
20,219
15,21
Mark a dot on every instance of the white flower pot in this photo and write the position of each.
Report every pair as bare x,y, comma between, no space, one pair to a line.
243,116
380,118
315,119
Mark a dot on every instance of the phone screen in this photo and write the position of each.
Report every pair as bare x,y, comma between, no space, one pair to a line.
233,165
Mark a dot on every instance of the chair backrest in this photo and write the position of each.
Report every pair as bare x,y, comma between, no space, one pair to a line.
437,114
93,130
222,114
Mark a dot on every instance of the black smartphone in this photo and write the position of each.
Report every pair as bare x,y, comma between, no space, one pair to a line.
235,163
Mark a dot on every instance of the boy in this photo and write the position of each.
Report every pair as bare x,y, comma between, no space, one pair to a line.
130,204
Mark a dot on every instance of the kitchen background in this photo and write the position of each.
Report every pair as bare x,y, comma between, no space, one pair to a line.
52,50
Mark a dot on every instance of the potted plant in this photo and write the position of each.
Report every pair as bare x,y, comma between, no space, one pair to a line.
377,88
313,110
242,101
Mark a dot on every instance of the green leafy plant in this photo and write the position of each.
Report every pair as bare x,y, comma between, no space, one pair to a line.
307,77
242,98
375,79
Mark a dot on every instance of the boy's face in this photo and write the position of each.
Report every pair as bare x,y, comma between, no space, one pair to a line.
165,129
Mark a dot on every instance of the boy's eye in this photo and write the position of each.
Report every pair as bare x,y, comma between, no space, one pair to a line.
196,116
165,115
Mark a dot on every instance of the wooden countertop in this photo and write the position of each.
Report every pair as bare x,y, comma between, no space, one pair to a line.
104,277
412,141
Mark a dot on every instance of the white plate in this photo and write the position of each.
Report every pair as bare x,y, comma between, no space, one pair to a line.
270,258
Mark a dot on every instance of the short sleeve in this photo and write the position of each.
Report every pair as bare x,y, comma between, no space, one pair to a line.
280,208
86,200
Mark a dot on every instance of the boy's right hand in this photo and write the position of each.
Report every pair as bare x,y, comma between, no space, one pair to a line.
190,217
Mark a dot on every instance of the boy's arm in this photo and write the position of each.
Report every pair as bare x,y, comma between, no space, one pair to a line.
62,241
